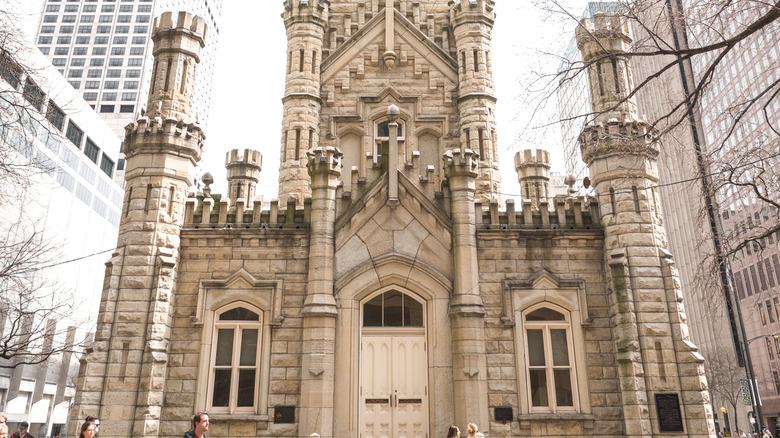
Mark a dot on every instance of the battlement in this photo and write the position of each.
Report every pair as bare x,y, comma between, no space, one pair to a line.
158,134
530,157
217,213
481,7
618,137
185,21
603,34
464,158
316,11
243,157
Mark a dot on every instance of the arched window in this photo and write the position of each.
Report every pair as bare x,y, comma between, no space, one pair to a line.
235,359
393,309
549,360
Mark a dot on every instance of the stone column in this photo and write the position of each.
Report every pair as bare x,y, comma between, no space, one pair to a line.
467,313
319,308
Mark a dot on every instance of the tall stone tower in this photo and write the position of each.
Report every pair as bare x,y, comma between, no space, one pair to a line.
243,172
658,366
306,22
122,375
472,25
533,173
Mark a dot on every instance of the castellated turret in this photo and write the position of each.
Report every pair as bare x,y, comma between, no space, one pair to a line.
162,148
647,311
243,172
177,48
533,173
472,25
604,42
305,21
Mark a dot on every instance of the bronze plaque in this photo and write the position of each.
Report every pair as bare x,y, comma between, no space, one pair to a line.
409,400
669,414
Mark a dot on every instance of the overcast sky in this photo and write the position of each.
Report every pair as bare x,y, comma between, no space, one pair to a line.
246,109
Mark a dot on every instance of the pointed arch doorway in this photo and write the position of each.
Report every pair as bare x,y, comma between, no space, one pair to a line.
393,393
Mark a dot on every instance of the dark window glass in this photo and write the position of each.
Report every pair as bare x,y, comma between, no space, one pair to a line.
246,388
74,134
372,312
10,71
393,309
239,314
545,314
106,108
107,166
221,388
91,150
33,94
55,116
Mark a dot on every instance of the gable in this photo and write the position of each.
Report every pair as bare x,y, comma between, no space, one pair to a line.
413,229
414,48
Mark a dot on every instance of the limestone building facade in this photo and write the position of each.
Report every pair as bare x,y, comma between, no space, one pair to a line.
388,292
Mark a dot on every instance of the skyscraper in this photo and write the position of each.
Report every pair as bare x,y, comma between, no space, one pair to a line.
104,49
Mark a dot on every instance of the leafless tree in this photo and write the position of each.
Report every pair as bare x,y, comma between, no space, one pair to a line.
31,302
725,376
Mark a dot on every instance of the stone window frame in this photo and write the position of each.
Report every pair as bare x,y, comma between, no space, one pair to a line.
239,326
215,295
522,296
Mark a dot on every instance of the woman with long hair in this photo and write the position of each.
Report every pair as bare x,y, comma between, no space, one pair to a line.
454,432
87,430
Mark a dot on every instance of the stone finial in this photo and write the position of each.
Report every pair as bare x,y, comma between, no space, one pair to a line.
208,180
533,173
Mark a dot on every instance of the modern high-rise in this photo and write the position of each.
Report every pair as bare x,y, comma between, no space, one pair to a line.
61,216
104,49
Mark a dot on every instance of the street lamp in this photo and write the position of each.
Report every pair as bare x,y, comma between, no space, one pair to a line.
727,429
752,376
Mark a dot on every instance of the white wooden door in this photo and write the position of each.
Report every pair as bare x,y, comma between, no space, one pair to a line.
393,387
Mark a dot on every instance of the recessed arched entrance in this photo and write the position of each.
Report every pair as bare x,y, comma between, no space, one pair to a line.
393,393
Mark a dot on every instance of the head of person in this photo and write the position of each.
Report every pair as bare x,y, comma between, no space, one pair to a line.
87,430
200,422
3,430
4,420
96,421
454,432
23,426
472,429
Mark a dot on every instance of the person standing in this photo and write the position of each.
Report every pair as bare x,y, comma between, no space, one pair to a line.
472,430
3,430
200,424
87,430
22,431
454,432
96,421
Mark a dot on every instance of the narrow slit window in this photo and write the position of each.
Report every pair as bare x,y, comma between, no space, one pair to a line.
313,62
615,75
297,144
171,194
463,61
612,200
636,199
129,198
481,137
476,60
148,197
300,61
168,74
284,146
154,75
183,78
601,80
311,138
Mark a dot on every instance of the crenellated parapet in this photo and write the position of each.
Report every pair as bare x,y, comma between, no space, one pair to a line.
605,44
163,137
617,139
177,49
324,160
461,162
308,11
472,10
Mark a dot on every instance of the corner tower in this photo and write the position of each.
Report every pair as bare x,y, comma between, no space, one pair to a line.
305,21
533,173
122,373
472,24
657,363
243,172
